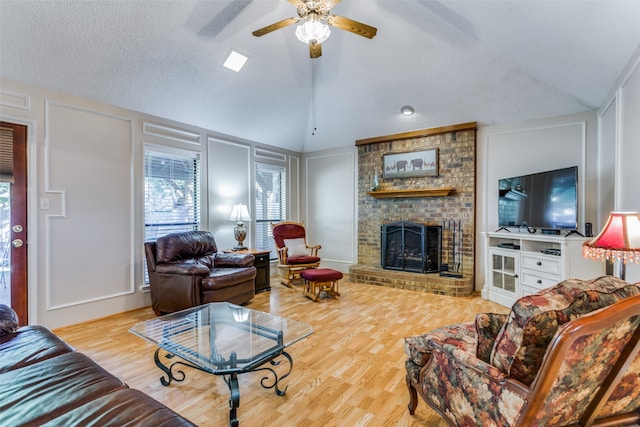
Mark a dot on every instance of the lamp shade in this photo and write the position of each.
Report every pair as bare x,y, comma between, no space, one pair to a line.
239,213
619,240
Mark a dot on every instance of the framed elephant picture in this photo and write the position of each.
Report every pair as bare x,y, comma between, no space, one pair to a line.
411,164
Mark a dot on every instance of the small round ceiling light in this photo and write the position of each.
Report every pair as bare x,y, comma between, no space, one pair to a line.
407,110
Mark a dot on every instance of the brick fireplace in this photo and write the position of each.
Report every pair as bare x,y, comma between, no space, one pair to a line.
442,200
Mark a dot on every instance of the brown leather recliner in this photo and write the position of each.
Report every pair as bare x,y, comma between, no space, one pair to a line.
186,270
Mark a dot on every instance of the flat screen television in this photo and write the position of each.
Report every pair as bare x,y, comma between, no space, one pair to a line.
545,200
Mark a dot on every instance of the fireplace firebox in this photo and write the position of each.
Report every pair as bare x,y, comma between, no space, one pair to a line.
412,247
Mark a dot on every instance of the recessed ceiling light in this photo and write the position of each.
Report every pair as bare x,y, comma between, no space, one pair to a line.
235,61
407,110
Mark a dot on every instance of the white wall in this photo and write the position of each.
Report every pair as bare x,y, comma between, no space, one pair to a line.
622,137
230,182
88,170
529,147
606,164
606,147
86,251
330,205
81,158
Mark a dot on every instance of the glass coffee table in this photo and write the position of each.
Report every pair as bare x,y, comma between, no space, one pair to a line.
223,339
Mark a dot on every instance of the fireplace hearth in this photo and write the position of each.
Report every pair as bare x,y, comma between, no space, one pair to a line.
408,246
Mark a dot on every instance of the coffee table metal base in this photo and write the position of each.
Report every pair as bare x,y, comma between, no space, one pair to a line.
230,375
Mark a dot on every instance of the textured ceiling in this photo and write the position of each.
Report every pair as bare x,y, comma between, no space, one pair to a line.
493,62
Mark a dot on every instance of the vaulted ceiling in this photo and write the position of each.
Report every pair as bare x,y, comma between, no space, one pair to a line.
493,62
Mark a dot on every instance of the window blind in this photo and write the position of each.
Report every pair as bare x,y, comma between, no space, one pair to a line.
6,155
172,193
270,202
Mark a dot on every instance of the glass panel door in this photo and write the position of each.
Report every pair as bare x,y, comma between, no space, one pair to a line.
5,242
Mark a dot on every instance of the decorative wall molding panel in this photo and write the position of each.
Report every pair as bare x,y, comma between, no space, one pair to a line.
99,263
15,100
171,133
262,154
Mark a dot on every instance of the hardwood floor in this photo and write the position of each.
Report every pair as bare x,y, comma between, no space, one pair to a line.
349,372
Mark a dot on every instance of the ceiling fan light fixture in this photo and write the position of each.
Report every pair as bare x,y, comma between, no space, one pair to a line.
407,110
313,32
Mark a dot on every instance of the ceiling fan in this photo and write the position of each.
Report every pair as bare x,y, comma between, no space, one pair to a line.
315,29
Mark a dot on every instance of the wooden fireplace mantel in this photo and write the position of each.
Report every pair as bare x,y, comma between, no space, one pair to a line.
420,192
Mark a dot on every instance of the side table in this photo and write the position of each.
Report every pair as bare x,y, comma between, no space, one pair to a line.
262,265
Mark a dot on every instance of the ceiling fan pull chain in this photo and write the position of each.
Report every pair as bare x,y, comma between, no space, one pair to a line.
313,96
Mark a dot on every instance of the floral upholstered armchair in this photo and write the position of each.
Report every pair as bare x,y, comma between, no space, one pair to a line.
568,355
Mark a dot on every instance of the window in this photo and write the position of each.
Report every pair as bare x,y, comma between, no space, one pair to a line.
271,203
171,193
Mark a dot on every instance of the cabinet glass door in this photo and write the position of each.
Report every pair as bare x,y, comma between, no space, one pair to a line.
504,272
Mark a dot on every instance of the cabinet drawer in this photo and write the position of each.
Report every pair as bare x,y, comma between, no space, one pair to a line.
261,258
525,290
538,281
545,264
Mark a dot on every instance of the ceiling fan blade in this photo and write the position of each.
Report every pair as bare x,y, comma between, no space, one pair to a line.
330,3
352,26
296,3
315,50
276,26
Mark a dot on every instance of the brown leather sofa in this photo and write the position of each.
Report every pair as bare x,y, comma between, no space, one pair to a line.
186,270
46,383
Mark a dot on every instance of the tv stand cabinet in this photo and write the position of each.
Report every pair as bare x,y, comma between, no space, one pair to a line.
519,264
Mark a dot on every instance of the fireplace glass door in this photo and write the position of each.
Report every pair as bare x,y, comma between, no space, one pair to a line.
408,246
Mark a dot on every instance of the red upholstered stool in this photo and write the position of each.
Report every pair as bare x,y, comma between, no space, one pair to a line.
318,280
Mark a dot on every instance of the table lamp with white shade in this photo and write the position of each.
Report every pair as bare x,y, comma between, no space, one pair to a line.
240,214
